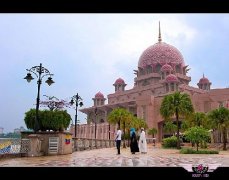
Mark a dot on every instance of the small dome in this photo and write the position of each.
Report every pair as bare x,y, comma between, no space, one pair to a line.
171,78
204,80
119,81
99,95
166,68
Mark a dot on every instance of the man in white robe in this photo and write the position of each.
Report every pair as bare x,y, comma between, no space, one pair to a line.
142,142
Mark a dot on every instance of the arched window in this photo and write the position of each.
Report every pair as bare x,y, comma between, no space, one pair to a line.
167,87
172,86
148,69
178,69
141,71
158,68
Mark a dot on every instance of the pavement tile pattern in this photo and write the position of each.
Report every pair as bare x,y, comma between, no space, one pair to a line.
155,157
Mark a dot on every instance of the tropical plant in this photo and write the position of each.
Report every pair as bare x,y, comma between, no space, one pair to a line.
152,131
170,127
122,117
220,120
176,104
198,119
197,135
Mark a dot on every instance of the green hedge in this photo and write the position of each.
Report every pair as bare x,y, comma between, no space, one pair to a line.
169,142
192,151
56,120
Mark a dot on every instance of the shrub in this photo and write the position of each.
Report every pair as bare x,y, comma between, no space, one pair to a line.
169,142
192,151
57,120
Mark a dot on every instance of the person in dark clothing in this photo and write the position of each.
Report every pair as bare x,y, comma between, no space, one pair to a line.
133,141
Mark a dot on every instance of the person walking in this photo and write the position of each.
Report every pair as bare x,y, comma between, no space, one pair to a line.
118,139
142,142
133,141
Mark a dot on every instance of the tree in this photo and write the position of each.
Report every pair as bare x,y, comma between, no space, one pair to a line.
170,127
54,103
122,117
176,104
152,131
198,119
196,135
220,119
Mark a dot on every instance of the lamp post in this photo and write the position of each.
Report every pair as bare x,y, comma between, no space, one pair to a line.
95,121
78,101
38,71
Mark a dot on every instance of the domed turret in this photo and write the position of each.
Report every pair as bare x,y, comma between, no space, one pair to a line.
171,83
99,99
171,78
99,95
204,83
119,85
119,81
166,68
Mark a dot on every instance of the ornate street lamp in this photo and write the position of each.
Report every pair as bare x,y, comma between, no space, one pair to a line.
38,71
78,101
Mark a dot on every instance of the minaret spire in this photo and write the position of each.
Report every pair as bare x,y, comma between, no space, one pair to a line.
203,75
159,37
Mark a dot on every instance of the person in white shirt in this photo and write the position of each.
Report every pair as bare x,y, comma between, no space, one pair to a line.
118,139
142,142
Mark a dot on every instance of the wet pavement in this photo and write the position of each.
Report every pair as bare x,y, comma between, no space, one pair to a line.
155,157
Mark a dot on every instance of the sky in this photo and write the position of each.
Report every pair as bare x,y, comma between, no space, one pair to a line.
88,52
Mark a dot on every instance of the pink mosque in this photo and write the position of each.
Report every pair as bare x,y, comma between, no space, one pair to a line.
161,70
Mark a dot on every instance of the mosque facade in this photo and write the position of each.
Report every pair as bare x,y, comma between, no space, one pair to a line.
161,70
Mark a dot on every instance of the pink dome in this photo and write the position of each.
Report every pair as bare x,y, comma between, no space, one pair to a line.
171,78
166,68
161,53
204,80
99,95
119,81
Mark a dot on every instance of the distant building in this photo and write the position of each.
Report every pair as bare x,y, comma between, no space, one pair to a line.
1,130
18,130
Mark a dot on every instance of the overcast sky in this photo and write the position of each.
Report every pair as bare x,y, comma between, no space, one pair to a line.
88,52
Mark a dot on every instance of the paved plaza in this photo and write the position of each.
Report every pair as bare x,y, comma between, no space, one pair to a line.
156,157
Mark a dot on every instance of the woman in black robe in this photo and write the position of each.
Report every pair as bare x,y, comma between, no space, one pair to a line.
133,141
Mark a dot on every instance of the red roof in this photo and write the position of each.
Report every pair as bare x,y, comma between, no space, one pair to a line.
99,95
204,80
119,81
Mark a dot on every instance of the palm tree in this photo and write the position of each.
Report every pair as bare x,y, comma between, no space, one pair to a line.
198,119
178,104
220,120
170,127
152,132
122,117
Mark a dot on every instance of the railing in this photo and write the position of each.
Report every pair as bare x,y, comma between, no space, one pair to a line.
89,144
